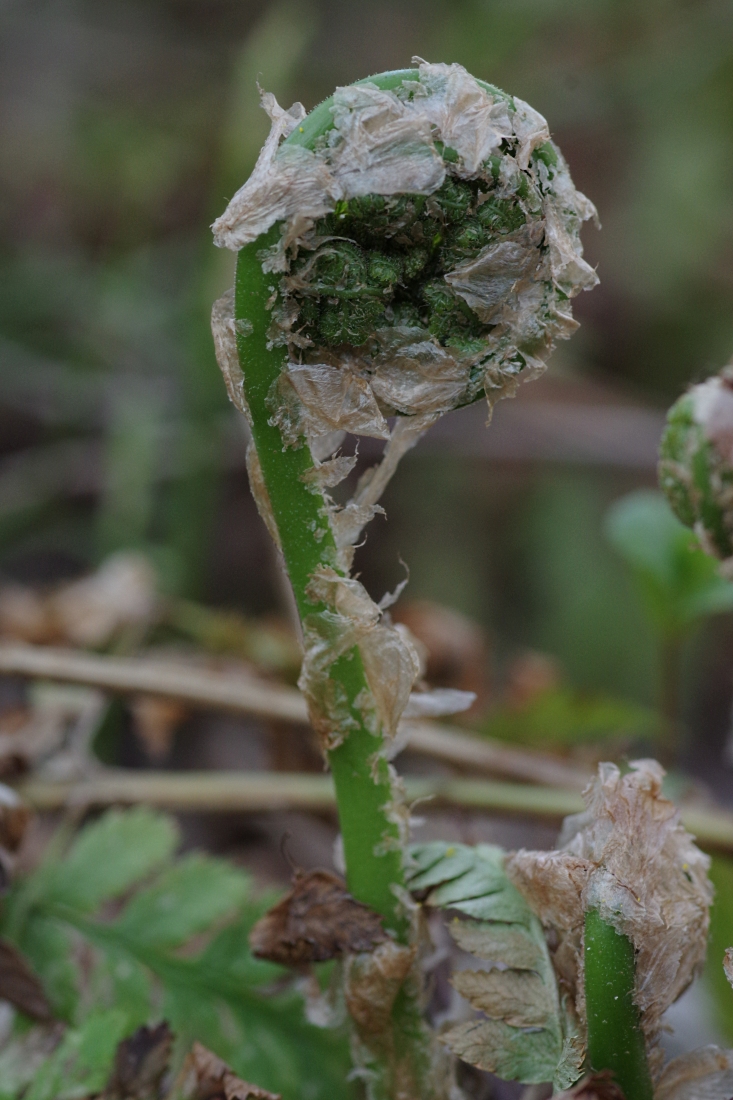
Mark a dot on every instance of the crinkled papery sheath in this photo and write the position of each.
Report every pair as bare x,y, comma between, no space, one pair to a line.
628,857
429,250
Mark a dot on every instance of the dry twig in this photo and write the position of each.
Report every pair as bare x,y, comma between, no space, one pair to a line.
246,695
224,792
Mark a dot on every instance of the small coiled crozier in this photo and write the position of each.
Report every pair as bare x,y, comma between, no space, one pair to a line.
696,463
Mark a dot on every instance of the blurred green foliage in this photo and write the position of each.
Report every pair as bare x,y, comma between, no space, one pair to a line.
561,719
122,933
679,583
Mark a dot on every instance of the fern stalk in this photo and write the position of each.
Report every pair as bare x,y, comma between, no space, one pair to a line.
363,799
615,1039
364,791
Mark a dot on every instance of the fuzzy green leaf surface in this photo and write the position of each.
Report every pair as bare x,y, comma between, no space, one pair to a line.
187,898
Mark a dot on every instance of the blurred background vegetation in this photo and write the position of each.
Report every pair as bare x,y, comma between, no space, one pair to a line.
125,127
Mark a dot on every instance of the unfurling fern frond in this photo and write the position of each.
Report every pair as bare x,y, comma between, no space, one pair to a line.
526,1032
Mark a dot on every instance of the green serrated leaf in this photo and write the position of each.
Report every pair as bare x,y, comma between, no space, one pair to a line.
81,1063
472,880
229,955
462,873
520,990
271,1045
109,856
438,862
188,898
509,1052
122,981
518,997
506,905
48,948
133,966
499,943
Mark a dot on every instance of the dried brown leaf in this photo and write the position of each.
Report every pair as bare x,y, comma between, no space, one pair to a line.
155,722
20,986
372,981
352,619
25,616
599,1086
258,489
528,677
206,1077
119,595
702,1074
457,649
316,921
629,857
140,1064
225,346
14,818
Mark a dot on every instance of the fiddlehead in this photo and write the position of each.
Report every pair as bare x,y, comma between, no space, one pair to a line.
696,463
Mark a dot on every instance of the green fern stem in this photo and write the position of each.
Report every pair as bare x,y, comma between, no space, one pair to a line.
615,1039
371,840
399,1060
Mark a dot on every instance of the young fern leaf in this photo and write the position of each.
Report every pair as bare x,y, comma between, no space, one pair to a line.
526,1034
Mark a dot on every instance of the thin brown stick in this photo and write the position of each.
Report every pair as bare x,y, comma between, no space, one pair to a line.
152,676
246,695
488,755
224,792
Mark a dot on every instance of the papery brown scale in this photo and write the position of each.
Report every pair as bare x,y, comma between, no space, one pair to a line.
318,920
141,1062
207,1077
372,982
598,1086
